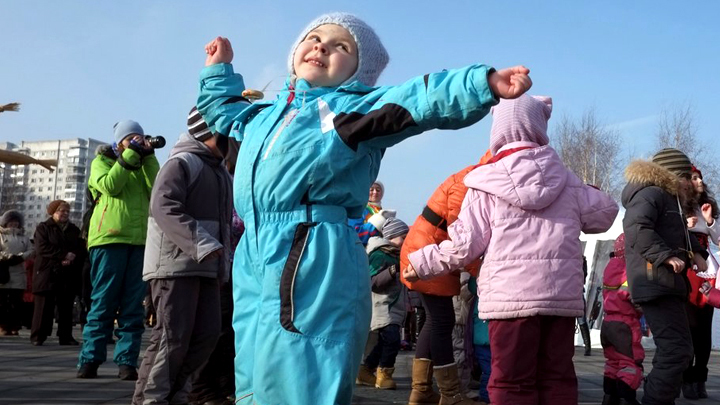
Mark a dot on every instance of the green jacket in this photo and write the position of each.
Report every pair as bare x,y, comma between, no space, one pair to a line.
121,213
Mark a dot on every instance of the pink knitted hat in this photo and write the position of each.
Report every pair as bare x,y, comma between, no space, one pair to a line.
522,119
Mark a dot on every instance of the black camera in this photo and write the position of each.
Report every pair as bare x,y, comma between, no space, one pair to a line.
155,142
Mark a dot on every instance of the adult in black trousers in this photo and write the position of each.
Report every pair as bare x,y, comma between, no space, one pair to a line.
659,251
60,253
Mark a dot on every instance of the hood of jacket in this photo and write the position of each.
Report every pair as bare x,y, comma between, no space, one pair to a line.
105,150
530,179
376,242
188,144
641,174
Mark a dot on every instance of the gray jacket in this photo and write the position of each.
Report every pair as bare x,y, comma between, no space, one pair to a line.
389,295
190,215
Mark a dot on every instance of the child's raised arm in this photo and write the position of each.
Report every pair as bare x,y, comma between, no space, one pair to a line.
450,99
220,99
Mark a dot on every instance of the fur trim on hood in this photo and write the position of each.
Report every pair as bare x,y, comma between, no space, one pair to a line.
10,216
105,150
651,174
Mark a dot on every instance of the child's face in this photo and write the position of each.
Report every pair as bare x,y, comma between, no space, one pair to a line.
398,240
327,56
697,183
376,194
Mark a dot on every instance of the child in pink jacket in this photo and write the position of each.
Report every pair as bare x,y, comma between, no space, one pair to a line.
524,212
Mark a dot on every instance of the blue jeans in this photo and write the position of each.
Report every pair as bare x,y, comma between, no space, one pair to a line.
483,357
117,292
386,349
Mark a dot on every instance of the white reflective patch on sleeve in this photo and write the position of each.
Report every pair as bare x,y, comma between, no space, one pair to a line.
326,117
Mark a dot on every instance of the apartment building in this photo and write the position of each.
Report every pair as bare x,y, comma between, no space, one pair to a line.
29,188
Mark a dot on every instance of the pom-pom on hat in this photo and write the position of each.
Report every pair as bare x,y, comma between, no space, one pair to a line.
372,56
125,128
393,228
55,205
522,119
673,160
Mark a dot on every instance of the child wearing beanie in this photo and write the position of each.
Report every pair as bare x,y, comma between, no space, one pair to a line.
659,250
389,300
301,290
524,211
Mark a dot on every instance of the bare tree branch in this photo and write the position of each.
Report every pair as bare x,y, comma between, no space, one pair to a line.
590,150
677,129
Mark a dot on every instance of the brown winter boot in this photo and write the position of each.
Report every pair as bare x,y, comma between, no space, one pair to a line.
449,384
384,378
365,376
422,387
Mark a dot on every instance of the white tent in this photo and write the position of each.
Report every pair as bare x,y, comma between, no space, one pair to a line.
596,249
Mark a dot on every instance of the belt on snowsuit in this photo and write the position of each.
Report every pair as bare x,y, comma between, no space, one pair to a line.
309,215
434,219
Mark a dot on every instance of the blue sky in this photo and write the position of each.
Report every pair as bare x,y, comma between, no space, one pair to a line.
78,66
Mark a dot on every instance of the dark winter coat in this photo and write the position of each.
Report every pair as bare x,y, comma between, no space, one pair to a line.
52,243
655,230
190,215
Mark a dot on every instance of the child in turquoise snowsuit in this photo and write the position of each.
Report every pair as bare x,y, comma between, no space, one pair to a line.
300,284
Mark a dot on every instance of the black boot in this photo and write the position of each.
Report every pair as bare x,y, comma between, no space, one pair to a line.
626,394
688,390
610,400
585,333
611,392
700,389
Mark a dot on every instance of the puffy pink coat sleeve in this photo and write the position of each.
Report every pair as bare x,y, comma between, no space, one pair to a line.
469,237
714,298
597,210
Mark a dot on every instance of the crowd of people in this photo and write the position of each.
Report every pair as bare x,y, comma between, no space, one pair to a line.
258,241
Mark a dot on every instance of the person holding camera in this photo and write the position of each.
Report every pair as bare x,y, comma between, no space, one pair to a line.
116,242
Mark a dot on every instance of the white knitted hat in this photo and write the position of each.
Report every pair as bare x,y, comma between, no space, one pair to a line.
372,56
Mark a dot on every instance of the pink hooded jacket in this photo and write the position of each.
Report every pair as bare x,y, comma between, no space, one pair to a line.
525,213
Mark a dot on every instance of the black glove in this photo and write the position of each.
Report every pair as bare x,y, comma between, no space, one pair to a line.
142,150
15,259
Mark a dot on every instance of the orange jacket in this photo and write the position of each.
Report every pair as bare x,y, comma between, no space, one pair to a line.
430,228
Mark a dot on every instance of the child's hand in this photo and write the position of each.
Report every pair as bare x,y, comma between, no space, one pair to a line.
675,264
218,50
705,288
410,274
700,263
692,221
511,82
707,213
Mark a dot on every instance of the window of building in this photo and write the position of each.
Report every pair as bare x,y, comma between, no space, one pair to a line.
38,206
49,189
34,172
32,180
60,170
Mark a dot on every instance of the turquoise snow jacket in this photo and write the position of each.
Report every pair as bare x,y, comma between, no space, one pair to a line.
324,145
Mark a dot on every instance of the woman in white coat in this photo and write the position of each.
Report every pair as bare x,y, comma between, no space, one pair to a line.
15,247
